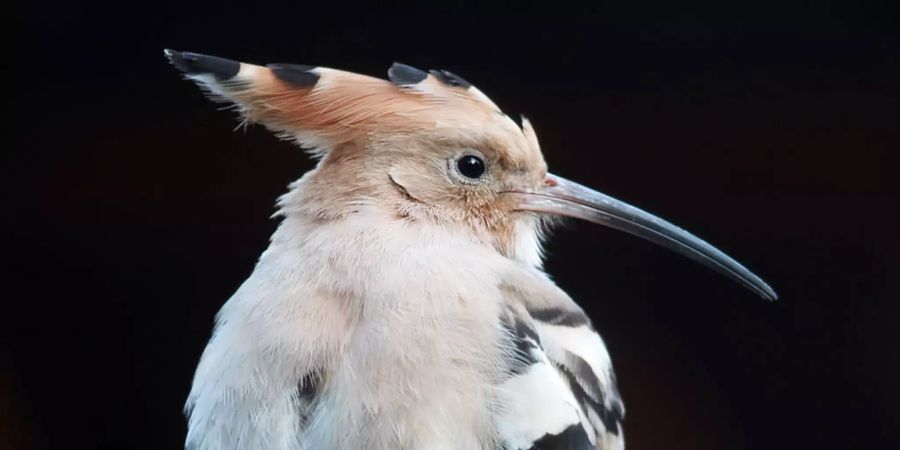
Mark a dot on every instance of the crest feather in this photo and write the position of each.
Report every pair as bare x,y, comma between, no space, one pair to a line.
322,108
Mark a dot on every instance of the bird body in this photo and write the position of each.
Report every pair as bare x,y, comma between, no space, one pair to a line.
401,303
404,336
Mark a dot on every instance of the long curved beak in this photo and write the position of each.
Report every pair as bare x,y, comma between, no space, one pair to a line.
566,198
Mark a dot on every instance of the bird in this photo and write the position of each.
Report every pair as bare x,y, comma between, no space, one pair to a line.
402,302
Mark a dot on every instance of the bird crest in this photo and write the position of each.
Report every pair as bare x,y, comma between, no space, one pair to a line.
325,109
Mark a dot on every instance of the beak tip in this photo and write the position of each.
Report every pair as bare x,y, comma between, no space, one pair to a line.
753,283
764,290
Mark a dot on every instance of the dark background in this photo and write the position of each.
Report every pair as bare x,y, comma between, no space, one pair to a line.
132,210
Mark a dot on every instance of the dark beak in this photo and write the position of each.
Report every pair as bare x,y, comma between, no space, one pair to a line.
567,198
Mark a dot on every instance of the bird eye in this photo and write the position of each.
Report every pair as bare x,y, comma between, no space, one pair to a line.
470,166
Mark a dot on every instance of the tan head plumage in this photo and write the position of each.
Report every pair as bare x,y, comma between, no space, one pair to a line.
395,143
325,109
425,147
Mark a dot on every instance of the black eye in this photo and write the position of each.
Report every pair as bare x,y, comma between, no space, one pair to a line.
470,166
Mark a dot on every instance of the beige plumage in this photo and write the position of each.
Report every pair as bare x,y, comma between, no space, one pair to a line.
401,303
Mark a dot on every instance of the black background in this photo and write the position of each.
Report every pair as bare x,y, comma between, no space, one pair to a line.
132,211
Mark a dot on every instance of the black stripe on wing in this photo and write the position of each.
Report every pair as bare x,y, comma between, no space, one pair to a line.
308,388
594,397
559,316
524,341
572,438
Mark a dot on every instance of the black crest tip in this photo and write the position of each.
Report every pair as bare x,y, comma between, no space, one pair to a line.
297,74
195,63
404,75
450,79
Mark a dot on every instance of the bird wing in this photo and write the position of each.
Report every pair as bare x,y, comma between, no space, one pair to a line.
563,373
578,351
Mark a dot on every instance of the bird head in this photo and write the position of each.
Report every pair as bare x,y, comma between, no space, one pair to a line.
426,147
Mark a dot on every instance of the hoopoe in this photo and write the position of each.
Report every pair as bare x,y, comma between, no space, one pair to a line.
401,303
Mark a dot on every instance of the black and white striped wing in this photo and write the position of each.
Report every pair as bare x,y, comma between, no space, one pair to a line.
561,388
578,351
